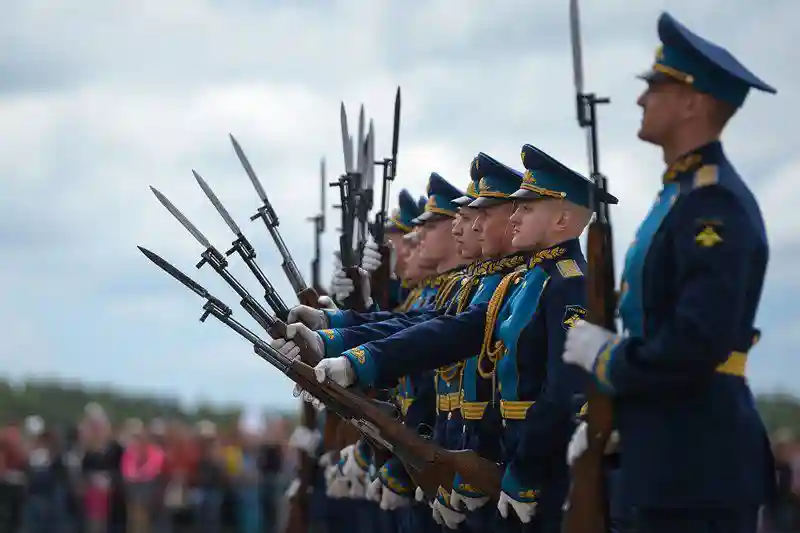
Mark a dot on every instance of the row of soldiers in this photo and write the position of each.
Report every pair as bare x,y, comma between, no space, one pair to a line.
488,348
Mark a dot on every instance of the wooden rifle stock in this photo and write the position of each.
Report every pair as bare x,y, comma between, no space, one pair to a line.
587,501
380,280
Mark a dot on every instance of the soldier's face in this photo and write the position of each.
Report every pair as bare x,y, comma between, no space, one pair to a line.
467,239
493,225
664,108
412,270
400,247
436,242
532,221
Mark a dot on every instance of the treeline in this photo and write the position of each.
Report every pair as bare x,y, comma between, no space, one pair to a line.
62,404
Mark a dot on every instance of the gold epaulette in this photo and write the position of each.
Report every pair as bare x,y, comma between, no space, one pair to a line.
705,176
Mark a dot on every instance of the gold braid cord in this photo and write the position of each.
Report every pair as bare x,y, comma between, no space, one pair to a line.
492,353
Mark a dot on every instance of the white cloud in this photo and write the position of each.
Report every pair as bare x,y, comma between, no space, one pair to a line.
104,100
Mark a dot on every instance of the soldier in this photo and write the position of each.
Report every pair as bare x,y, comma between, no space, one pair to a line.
694,455
518,336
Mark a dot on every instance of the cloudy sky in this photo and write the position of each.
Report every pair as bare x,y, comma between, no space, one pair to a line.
99,101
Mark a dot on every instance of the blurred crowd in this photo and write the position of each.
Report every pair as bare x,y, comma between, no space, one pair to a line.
156,477
782,515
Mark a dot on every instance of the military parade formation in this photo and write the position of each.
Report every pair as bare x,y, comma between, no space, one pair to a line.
470,369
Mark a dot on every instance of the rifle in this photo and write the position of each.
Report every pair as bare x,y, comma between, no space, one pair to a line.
306,295
380,279
349,184
429,464
319,229
298,504
586,511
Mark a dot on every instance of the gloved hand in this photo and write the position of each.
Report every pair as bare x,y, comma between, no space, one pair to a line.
357,489
293,489
289,348
305,440
579,443
374,491
397,489
584,342
338,484
326,303
419,494
338,369
444,515
466,494
342,286
313,318
371,258
353,466
521,500
337,266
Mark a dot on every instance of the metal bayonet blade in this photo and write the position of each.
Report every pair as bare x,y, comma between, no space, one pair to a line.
575,35
323,186
347,142
361,160
182,219
164,265
396,133
369,182
249,169
217,204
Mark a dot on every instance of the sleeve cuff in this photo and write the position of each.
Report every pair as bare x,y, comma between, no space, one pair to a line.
515,490
364,365
465,489
336,319
333,341
603,364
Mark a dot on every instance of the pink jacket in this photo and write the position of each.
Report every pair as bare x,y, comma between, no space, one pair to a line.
134,469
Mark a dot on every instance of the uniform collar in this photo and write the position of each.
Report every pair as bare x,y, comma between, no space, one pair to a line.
494,266
687,164
550,256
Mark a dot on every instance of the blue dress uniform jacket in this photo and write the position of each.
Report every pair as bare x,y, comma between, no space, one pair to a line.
522,331
690,435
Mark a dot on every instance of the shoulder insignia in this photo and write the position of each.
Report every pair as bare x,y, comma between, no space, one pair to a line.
708,236
705,176
572,314
569,268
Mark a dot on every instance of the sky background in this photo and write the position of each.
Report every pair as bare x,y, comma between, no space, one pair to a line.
99,100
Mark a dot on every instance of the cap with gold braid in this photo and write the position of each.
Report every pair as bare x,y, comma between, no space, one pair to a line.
547,178
496,181
440,200
472,188
401,219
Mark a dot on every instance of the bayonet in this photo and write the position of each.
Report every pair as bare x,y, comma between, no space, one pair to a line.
245,250
267,214
213,257
347,141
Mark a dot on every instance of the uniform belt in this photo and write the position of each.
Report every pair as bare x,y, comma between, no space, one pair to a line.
734,365
473,410
448,402
514,409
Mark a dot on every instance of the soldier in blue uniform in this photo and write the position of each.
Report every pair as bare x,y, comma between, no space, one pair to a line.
694,455
518,336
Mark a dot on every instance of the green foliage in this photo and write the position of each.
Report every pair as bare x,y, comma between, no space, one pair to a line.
62,404
780,410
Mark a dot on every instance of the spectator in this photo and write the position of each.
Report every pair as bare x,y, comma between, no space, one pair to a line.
248,481
209,480
12,479
46,481
270,466
141,467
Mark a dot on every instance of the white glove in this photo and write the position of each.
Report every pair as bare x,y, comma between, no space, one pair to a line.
294,486
305,440
449,518
327,459
391,500
357,489
313,318
351,468
326,303
583,343
338,486
456,499
337,266
419,494
579,443
371,258
342,286
525,511
288,348
337,369
374,491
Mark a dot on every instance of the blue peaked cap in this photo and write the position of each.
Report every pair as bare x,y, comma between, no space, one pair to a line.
472,187
401,219
497,182
440,200
688,58
547,178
